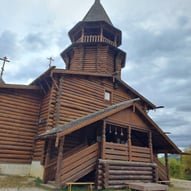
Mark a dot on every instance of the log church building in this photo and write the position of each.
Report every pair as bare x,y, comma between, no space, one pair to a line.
83,123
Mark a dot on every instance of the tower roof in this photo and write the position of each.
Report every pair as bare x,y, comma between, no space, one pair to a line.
97,13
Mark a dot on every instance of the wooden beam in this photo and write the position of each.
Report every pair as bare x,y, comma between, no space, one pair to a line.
47,159
103,140
25,87
166,165
151,145
59,161
129,143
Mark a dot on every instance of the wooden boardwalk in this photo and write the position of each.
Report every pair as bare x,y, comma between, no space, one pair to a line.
147,186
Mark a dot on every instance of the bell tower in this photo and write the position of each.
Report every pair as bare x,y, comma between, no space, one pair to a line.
95,43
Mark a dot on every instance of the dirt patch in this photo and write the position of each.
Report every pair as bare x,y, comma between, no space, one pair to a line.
183,184
18,183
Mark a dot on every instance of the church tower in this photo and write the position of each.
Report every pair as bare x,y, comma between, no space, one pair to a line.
95,43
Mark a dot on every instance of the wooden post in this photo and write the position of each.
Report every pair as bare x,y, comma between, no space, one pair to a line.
151,145
115,41
106,175
166,165
82,37
59,160
103,140
129,142
47,159
101,34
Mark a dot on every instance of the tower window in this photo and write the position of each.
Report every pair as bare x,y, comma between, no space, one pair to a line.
107,95
92,31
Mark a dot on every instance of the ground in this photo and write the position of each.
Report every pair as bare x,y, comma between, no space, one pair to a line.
17,183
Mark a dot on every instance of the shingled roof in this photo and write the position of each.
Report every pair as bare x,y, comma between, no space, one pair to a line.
160,139
97,13
88,119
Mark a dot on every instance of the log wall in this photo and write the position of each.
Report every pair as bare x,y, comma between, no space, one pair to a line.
100,58
47,118
83,95
115,174
19,112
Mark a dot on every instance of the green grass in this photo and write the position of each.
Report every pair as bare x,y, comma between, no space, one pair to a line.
83,188
15,182
20,182
172,188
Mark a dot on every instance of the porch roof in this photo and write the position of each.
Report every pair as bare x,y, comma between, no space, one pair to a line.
86,120
161,142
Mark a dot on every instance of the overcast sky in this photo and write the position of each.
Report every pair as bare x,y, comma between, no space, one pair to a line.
156,37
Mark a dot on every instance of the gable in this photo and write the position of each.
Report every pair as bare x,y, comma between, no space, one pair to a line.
129,117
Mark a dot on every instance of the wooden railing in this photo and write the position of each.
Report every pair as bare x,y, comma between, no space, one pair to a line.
140,154
79,164
162,171
114,151
96,38
50,170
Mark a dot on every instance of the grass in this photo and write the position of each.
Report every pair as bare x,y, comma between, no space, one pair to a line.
23,182
15,182
171,188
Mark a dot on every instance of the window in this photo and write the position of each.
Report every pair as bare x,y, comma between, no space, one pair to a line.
139,138
107,95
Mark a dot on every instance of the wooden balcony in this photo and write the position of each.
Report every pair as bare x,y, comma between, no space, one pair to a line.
116,151
96,38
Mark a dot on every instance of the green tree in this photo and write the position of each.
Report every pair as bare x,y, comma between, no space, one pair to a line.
175,167
186,161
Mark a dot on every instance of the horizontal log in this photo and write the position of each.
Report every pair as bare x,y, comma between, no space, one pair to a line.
20,102
8,125
19,161
136,159
131,168
116,152
18,119
15,147
24,134
140,149
6,142
126,163
116,146
116,157
123,172
16,156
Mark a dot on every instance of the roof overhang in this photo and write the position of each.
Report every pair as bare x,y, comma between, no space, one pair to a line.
161,142
86,120
20,87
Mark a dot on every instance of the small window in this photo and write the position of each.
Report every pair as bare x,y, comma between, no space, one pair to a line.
107,96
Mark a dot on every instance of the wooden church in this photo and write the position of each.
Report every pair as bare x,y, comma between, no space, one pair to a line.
83,123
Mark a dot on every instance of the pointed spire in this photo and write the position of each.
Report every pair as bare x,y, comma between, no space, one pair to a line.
97,13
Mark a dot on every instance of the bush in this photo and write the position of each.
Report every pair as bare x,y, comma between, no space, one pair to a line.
176,168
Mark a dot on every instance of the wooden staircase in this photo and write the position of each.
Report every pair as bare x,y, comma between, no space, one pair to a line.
162,171
79,164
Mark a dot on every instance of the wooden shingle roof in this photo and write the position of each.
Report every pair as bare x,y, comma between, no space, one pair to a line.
97,13
88,119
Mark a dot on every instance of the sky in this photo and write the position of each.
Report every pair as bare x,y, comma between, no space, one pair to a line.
156,38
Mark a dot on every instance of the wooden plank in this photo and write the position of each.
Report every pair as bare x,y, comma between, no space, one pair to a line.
147,186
